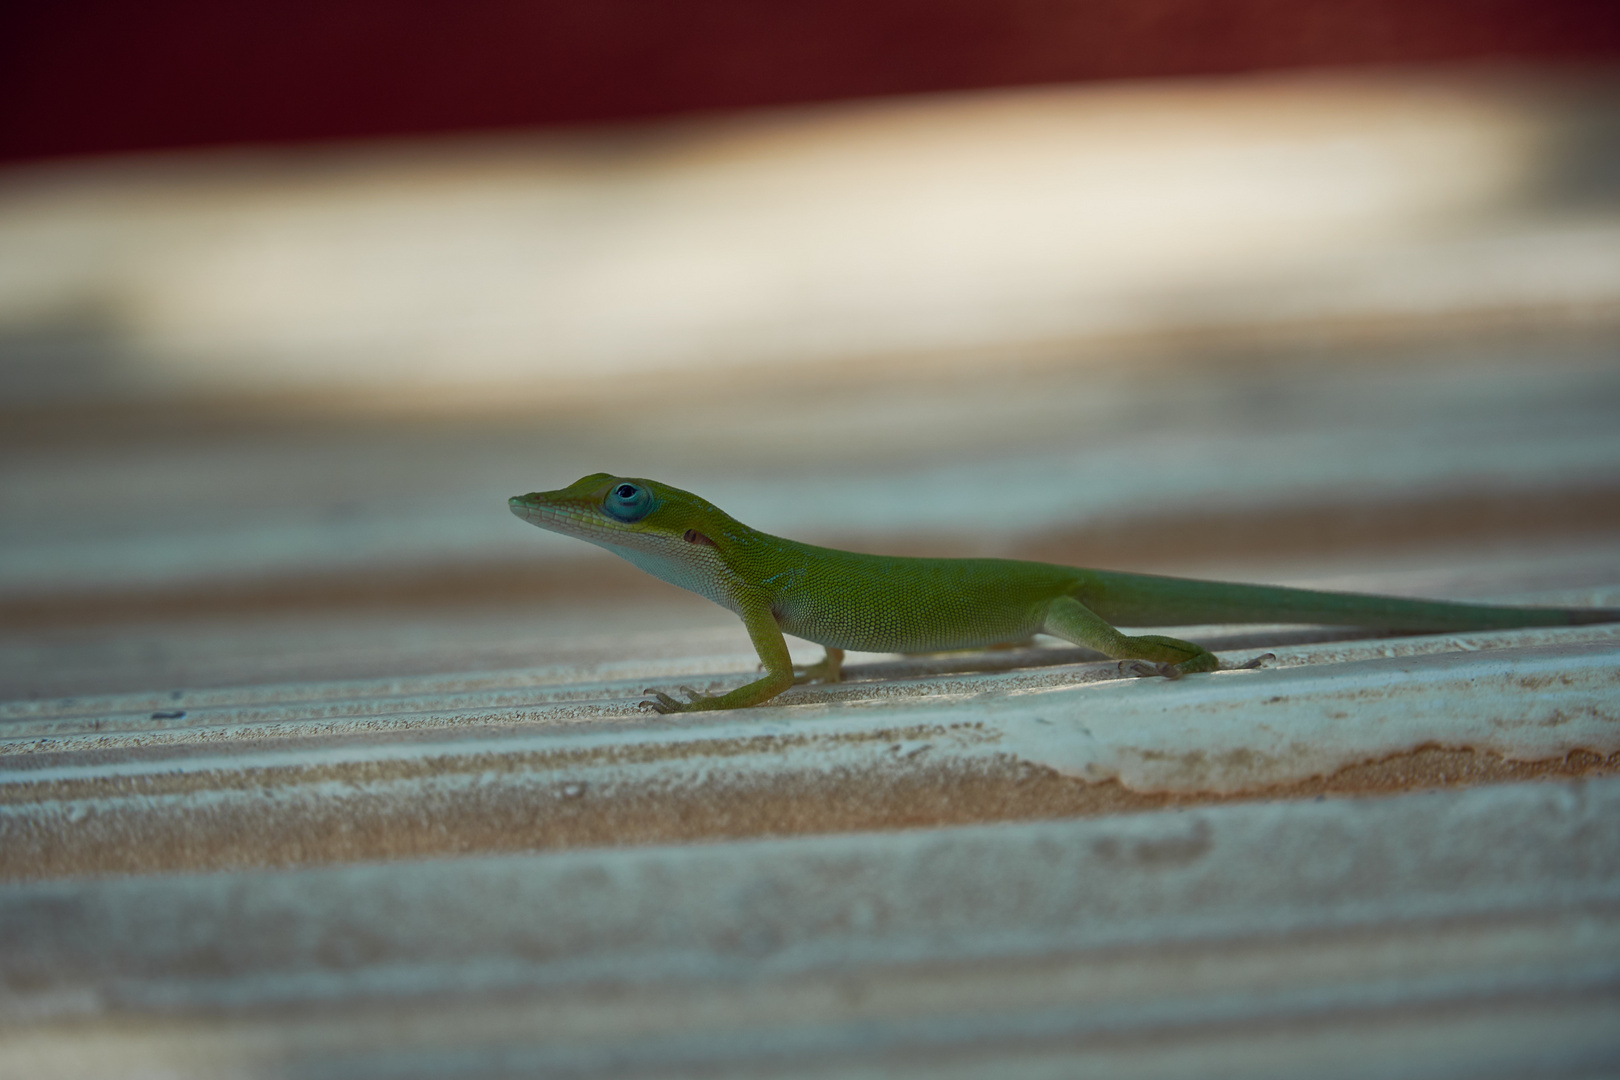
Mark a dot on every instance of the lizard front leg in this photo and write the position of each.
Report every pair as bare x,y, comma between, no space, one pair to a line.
773,653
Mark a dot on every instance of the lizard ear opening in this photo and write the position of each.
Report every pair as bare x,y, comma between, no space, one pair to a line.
695,537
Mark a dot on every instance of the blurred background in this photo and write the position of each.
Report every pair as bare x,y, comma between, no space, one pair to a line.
293,296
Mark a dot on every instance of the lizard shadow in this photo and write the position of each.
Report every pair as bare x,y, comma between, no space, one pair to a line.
982,661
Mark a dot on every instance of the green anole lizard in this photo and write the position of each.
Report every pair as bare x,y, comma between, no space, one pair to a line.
884,603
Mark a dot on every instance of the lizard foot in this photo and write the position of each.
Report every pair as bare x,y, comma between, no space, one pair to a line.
662,703
1144,669
1148,669
830,669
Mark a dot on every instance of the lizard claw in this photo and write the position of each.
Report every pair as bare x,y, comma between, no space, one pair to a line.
1256,662
662,703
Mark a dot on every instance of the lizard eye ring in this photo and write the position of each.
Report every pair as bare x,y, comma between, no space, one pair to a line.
628,503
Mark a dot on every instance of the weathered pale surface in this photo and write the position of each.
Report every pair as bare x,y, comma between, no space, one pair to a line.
1524,694
1225,735
299,777
1476,932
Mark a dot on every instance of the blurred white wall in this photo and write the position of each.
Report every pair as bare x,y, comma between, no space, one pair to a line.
878,232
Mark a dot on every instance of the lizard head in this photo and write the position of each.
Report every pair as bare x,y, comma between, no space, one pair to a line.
670,533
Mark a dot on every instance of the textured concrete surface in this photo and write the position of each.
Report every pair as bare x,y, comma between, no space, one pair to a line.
1460,933
296,778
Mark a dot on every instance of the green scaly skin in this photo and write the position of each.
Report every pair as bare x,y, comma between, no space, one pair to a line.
881,603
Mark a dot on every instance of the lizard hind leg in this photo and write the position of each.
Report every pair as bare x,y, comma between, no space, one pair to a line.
1145,654
830,669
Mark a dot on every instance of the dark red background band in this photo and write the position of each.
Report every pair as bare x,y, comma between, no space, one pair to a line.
98,76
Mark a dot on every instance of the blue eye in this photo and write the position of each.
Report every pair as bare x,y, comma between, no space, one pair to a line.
628,503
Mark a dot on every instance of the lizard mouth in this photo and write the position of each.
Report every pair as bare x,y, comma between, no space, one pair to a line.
567,518
529,511
536,509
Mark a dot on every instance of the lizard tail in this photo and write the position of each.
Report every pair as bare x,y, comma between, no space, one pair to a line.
1150,600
